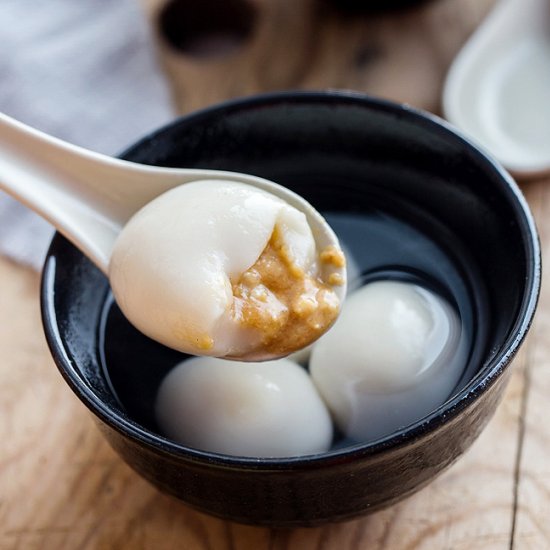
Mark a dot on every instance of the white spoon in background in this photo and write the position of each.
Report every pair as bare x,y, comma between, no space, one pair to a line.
89,197
498,87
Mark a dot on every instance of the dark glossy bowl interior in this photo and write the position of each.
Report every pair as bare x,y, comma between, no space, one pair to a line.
344,153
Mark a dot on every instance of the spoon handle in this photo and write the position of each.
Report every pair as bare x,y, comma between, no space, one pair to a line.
46,174
86,196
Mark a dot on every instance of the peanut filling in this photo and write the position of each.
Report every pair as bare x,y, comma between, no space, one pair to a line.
288,307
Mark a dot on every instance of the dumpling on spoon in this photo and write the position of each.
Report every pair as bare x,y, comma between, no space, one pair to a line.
225,269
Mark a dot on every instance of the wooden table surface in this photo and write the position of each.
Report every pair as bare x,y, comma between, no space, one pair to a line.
62,487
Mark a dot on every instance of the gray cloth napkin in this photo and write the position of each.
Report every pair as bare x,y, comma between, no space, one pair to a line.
83,71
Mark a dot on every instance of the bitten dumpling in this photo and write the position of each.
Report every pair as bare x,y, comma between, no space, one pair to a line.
225,269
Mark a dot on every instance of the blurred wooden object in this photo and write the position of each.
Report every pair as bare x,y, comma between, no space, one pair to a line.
308,44
62,487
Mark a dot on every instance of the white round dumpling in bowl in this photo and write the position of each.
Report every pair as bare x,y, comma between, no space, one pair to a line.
395,354
268,409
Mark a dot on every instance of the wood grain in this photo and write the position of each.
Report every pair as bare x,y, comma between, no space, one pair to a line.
532,528
62,487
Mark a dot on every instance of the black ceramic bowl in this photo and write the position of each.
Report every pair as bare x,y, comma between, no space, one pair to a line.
349,155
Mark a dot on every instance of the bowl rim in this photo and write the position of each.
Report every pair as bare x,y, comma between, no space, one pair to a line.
489,373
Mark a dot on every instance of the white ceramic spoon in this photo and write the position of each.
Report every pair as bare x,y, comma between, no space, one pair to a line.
498,87
89,197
